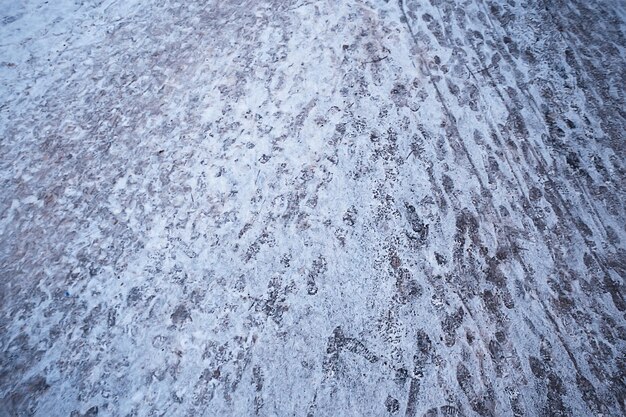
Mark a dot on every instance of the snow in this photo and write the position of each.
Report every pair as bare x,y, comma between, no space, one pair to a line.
312,208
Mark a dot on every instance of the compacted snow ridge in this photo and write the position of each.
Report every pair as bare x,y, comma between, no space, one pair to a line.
312,208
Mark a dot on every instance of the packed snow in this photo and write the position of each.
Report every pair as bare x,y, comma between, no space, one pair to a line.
312,208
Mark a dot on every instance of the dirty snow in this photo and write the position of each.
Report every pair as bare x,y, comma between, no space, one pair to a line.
312,208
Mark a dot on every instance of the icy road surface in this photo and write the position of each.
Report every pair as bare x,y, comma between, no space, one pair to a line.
312,208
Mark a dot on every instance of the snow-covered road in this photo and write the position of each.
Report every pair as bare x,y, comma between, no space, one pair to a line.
312,208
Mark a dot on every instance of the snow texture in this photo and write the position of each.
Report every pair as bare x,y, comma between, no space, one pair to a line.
312,208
